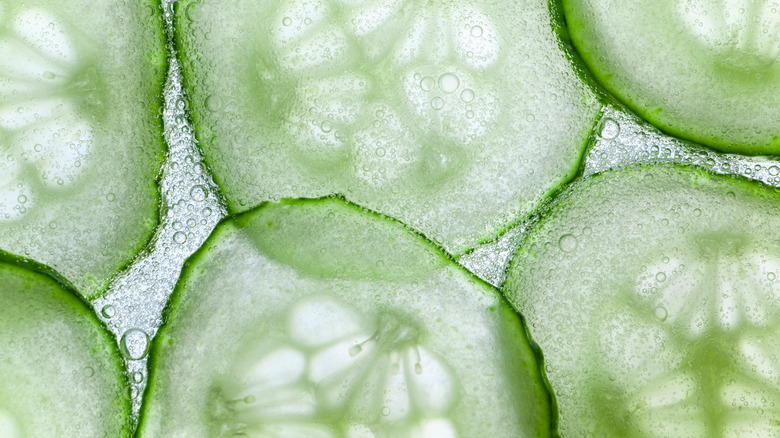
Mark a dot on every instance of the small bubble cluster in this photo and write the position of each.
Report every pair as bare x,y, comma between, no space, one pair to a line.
478,108
624,139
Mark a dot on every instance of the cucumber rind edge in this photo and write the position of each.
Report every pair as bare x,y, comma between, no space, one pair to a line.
176,296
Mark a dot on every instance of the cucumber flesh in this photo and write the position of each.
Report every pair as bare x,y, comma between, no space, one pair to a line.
62,372
371,333
653,293
454,117
704,70
80,144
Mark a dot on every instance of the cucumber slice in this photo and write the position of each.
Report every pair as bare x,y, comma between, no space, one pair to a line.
315,318
454,117
61,370
80,133
654,296
704,70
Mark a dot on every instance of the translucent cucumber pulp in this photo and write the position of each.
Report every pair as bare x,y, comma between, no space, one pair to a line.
80,134
61,369
357,329
454,117
704,70
653,294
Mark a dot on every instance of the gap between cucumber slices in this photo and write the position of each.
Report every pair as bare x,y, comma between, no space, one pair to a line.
457,118
80,133
318,318
61,369
654,295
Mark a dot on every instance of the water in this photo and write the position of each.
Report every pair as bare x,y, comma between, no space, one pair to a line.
136,298
624,139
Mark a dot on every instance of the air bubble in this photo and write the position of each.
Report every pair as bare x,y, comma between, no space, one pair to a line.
476,31
192,12
286,21
39,147
108,311
427,83
130,392
198,193
138,377
660,313
448,82
609,129
567,243
22,199
180,237
467,95
88,372
660,277
326,127
437,103
134,344
213,103
385,411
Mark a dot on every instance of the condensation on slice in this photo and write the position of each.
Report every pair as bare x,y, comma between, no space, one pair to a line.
15,197
45,135
79,92
448,116
339,373
704,70
408,126
61,371
744,34
41,31
669,302
322,332
679,343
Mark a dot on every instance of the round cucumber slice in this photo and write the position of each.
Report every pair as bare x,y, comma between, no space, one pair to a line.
704,70
315,318
61,370
454,117
654,296
80,133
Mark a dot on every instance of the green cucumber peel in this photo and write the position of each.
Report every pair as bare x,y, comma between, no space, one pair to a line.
354,309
